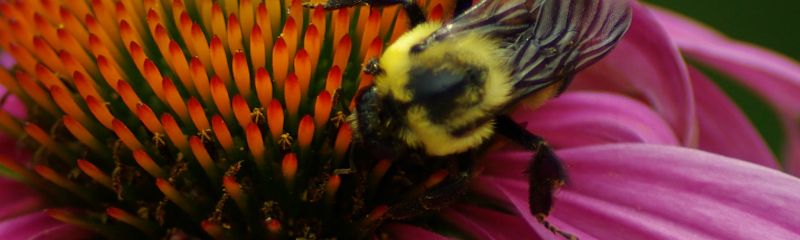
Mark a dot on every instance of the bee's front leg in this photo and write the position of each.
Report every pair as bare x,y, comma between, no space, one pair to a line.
545,171
334,4
415,14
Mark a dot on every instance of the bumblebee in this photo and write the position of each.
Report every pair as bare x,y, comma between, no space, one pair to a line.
445,89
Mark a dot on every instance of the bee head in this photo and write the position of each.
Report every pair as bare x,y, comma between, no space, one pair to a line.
440,98
375,125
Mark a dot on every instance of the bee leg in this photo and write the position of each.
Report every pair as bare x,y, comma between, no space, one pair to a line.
334,4
415,14
449,191
545,171
462,6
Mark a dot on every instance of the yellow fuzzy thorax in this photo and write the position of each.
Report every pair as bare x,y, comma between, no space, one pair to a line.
474,50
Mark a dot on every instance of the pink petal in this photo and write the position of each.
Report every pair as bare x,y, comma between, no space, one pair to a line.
39,226
596,118
6,60
676,25
646,65
513,192
16,108
12,150
17,199
481,223
642,191
409,232
723,127
13,105
62,232
774,77
792,148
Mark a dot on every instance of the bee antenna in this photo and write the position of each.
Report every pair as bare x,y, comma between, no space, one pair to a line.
415,14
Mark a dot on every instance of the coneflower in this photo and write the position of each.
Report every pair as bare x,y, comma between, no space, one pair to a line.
220,119
653,149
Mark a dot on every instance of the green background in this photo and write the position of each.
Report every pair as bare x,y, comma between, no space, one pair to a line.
774,24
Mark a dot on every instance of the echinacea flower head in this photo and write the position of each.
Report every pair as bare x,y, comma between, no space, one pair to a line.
220,119
227,120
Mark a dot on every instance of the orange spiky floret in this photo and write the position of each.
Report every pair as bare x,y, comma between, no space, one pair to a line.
305,132
241,111
236,191
263,86
322,109
292,93
280,61
82,134
198,114
275,118
241,74
222,133
234,34
204,158
302,70
289,34
95,173
147,163
313,45
289,167
258,47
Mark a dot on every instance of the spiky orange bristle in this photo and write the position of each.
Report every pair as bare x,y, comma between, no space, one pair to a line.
175,109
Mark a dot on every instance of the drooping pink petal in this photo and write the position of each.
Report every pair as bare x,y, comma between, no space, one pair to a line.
723,127
597,118
774,77
646,65
645,191
39,226
409,232
481,223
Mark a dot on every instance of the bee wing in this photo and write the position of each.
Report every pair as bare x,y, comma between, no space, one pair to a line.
504,19
549,40
568,36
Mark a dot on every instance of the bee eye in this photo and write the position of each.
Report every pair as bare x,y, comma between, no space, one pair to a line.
373,67
417,48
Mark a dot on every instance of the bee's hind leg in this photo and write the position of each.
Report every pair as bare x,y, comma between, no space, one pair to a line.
545,171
